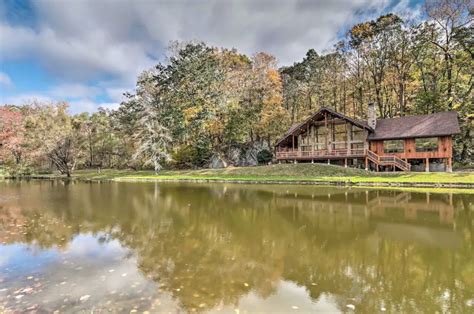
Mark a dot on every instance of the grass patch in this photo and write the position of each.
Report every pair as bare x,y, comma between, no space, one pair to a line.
280,173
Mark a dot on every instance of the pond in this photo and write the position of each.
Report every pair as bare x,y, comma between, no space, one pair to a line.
169,247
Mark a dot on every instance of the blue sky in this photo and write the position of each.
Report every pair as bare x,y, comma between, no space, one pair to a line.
89,52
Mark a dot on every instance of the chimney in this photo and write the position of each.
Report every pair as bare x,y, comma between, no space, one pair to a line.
372,116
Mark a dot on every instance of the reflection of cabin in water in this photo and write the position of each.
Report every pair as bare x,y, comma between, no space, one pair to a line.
428,219
404,143
388,206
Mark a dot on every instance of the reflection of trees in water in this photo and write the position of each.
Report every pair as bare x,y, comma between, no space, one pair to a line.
211,244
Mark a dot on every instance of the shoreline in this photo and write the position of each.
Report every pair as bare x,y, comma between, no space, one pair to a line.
301,174
440,187
300,182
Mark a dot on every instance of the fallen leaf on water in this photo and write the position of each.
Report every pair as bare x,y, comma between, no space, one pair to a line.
84,298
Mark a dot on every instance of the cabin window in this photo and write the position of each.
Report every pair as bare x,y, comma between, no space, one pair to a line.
339,137
429,144
340,134
393,146
320,137
358,134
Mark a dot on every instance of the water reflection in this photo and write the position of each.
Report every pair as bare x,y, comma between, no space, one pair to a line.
195,247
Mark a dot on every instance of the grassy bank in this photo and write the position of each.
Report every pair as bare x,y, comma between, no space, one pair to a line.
287,173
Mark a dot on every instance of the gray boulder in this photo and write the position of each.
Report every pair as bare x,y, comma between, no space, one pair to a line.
248,154
217,162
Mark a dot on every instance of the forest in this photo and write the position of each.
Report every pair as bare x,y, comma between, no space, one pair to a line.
205,106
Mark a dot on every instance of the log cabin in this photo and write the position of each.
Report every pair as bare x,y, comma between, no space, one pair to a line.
410,143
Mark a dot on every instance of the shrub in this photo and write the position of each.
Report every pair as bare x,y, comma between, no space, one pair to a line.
264,156
18,171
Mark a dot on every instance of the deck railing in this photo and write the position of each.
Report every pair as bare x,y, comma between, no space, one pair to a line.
320,153
387,160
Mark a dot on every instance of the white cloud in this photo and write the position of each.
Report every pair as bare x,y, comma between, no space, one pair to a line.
86,105
74,57
408,12
5,79
24,98
81,98
90,39
110,42
64,91
116,93
109,105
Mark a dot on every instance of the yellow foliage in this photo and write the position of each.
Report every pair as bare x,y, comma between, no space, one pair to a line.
191,113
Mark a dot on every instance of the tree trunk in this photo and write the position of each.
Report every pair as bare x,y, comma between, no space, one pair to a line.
449,73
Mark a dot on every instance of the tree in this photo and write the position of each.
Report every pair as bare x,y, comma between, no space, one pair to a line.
154,141
152,135
12,142
268,116
374,41
55,134
451,17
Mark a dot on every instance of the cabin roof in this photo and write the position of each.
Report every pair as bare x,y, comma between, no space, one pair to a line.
429,125
295,127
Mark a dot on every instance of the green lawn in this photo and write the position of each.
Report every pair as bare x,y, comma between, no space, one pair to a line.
282,173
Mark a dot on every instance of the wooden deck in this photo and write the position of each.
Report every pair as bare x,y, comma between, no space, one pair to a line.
386,160
321,154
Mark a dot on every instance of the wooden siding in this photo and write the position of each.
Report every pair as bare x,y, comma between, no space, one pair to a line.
305,138
445,149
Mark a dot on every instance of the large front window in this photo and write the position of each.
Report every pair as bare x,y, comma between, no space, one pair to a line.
320,138
358,134
429,144
339,136
393,146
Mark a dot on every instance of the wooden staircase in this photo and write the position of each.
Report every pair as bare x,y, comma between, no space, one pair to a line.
388,160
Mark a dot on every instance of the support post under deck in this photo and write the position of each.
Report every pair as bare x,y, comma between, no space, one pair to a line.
449,167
